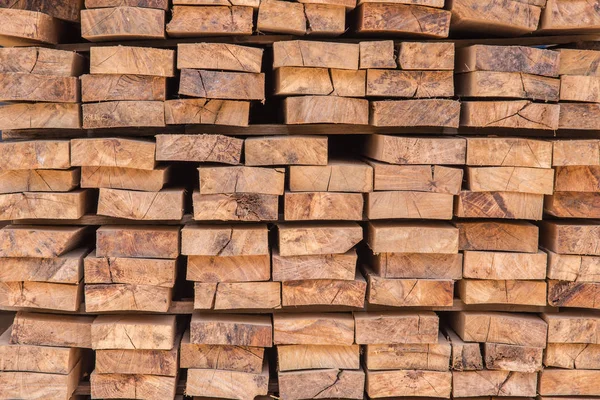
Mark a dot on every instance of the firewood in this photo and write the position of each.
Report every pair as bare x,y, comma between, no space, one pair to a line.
271,17
44,205
203,111
509,85
521,59
119,386
465,356
579,116
379,54
509,152
218,180
410,292
319,81
228,269
513,292
327,383
584,178
519,236
573,205
227,384
127,297
324,292
421,178
426,56
137,241
567,16
38,180
225,240
310,206
133,332
572,355
558,382
579,62
411,237
210,21
26,28
199,148
286,150
499,265
517,114
231,330
325,110
40,241
122,87
304,268
511,179
159,4
402,383
511,205
402,19
247,295
493,383
124,178
52,330
143,206
44,295
573,294
62,269
573,268
408,150
113,152
34,155
303,53
219,56
422,205
336,176
307,356
512,358
580,88
418,265
313,329
497,327
40,116
132,61
572,327
40,61
410,84
566,237
396,327
123,114
122,23
323,238
502,17
137,271
222,85
416,113
235,207
430,357
19,86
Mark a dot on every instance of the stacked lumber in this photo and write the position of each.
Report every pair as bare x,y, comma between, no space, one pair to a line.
569,17
193,18
508,86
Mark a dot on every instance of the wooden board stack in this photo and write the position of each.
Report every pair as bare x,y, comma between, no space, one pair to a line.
212,18
568,17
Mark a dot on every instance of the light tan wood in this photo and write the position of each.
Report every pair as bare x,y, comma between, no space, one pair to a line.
422,205
349,4
136,271
322,238
123,114
40,241
122,23
159,4
417,383
325,19
513,358
567,16
38,180
34,155
62,269
302,53
509,152
426,56
417,265
580,88
403,19
308,267
572,355
573,268
510,179
210,21
125,178
319,81
377,54
311,206
573,204
409,84
410,292
200,148
247,295
41,295
281,17
326,383
396,327
132,60
336,176
219,56
222,85
235,207
579,116
206,111
40,116
572,327
286,150
497,327
498,235
416,113
26,28
465,356
584,178
313,329
509,85
493,383
225,240
405,150
307,356
118,386
133,332
110,297
204,295
216,180
20,86
40,61
566,237
579,62
510,205
113,152
512,18
44,205
517,114
227,384
122,88
231,330
228,269
430,357
52,330
421,178
569,382
410,237
574,294
325,110
498,265
137,241
324,292
68,11
248,3
166,204
428,3
513,292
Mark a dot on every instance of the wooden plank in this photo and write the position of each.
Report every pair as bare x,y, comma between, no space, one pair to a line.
512,18
63,269
44,205
569,16
40,61
428,3
217,180
510,205
199,148
26,28
418,265
396,327
123,114
132,60
52,330
510,179
225,240
410,292
100,298
497,265
518,236
430,357
307,356
407,150
68,11
579,116
207,111
325,110
222,85
322,206
41,295
402,19
247,295
136,271
517,114
231,330
122,23
572,327
422,205
572,355
324,292
509,152
377,54
302,53
40,116
465,356
313,239
573,268
514,292
137,241
133,332
118,386
569,382
159,4
579,62
320,266
20,86
313,329
416,113
35,155
421,178
319,81
584,178
326,383
349,4
498,327
40,241
493,383
574,294
409,84
509,85
410,237
416,383
122,88
166,204
566,237
227,384
573,205
286,150
426,56
228,269
125,178
580,88
39,180
113,152
270,17
336,176
325,19
210,21
219,56
235,207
